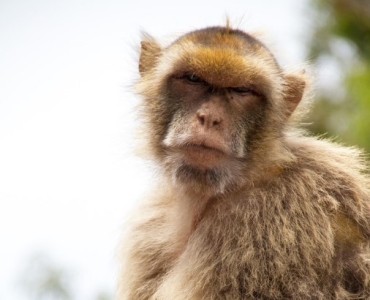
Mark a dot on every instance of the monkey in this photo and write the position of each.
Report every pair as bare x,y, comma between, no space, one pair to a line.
247,205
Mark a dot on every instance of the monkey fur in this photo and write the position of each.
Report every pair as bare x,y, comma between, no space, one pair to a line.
247,206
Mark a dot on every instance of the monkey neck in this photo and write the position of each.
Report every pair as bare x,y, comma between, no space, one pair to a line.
190,208
192,205
268,159
192,200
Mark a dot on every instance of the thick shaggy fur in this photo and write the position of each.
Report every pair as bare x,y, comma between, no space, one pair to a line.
291,221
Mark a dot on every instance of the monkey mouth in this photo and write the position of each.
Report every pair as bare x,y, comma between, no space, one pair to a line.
203,147
203,155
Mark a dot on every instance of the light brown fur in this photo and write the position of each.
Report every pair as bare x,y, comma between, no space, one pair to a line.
283,216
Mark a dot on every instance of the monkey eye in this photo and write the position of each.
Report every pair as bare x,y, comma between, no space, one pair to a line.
191,77
244,90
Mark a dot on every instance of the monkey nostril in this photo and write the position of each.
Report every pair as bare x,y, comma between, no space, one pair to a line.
207,120
215,123
202,119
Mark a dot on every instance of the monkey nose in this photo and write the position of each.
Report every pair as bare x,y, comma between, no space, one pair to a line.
208,120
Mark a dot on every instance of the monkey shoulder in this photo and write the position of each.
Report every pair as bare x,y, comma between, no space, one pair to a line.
341,171
336,177
339,181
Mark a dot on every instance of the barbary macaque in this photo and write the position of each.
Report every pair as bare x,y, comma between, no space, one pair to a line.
247,206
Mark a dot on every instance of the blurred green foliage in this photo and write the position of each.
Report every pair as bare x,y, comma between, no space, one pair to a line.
43,279
340,48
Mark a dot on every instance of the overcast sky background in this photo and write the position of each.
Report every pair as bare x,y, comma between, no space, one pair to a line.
68,177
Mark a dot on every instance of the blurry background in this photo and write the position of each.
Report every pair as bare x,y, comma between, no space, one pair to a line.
68,176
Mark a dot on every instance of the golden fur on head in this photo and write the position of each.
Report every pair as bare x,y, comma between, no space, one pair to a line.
224,58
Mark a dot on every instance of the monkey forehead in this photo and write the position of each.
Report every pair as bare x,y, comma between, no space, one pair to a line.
225,66
226,37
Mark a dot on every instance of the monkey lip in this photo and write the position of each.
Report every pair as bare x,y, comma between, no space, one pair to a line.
203,147
203,155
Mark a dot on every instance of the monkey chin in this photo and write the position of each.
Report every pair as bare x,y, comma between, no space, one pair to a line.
203,169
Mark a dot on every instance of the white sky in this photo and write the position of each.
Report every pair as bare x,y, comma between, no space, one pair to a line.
67,174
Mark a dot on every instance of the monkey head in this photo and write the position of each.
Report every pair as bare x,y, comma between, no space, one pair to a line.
215,102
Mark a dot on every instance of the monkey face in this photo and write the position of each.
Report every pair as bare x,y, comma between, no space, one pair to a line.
209,128
208,134
212,98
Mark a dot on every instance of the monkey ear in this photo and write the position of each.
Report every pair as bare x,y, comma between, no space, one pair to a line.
149,53
294,87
